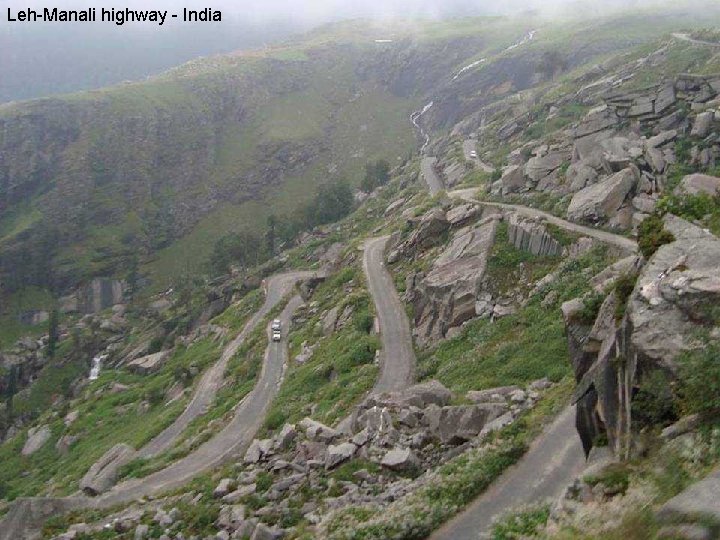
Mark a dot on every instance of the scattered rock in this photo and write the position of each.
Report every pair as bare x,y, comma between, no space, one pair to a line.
37,437
695,184
223,488
602,201
150,363
703,124
257,450
400,459
337,454
317,432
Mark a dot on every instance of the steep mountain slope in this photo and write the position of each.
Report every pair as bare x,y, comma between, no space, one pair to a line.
509,293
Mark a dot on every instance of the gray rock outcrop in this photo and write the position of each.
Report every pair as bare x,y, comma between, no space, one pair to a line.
694,184
703,124
445,297
37,437
103,474
400,459
601,202
673,295
150,363
100,294
530,235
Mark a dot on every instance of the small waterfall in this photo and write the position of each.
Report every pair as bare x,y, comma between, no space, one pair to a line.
415,119
468,68
96,365
526,39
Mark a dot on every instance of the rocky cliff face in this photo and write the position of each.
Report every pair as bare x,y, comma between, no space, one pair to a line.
671,300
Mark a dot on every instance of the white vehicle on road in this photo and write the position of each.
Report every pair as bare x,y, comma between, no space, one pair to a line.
276,335
473,154
276,325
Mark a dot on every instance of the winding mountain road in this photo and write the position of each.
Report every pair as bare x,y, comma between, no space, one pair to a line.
553,460
427,170
27,515
231,441
470,146
686,37
622,242
278,287
556,456
397,357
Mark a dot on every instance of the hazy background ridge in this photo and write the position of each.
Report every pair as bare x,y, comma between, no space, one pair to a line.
39,60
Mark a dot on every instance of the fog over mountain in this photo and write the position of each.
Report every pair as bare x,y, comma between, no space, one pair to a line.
42,59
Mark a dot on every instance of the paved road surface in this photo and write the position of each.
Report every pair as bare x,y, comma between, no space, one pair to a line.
397,360
553,460
278,287
434,184
609,238
686,37
469,146
231,441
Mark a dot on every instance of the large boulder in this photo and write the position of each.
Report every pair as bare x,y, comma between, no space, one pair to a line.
695,184
265,532
419,395
539,167
661,138
457,424
257,450
428,232
103,474
150,363
703,124
230,517
580,175
318,432
446,296
600,202
37,437
339,453
400,459
698,503
675,292
597,120
512,180
462,213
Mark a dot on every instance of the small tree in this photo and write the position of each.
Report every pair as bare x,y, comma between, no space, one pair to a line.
376,174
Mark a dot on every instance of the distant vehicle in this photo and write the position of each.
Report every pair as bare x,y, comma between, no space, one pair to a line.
473,154
276,335
276,324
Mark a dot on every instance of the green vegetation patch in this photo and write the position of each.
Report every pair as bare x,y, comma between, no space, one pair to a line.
131,413
652,234
508,266
518,348
521,523
341,369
